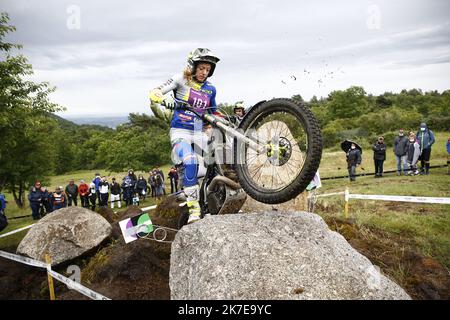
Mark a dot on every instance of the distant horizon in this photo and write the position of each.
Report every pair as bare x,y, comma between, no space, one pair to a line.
65,114
90,115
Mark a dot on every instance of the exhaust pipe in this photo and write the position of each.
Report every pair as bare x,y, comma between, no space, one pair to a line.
223,180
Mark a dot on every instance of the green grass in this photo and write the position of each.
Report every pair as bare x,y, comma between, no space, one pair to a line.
334,162
427,225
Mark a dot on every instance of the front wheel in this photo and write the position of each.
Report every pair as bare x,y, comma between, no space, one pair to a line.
291,153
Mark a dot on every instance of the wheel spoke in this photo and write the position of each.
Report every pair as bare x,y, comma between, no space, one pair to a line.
286,134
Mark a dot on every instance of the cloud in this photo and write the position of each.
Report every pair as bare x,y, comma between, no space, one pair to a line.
121,51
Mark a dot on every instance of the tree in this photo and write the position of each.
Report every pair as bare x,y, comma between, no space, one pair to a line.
226,109
297,98
23,117
314,100
383,102
145,121
133,148
347,104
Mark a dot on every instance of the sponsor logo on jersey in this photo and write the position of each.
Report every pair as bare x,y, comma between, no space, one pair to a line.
185,117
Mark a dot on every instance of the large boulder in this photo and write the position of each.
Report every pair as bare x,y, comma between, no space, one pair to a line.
299,203
65,234
274,255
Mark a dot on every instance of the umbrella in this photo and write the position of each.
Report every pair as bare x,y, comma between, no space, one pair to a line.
346,145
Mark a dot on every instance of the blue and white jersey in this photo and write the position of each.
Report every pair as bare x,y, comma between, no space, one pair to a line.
201,96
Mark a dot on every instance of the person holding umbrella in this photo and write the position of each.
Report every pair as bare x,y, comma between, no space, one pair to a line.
354,158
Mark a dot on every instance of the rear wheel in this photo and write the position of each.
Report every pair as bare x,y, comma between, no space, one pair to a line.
291,155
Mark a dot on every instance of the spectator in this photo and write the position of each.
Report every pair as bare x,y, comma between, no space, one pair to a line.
104,192
46,203
59,199
136,199
448,156
400,143
35,199
151,182
97,181
128,187
92,195
173,177
426,140
353,160
239,112
131,173
3,203
160,172
141,187
124,191
83,190
3,219
412,154
115,193
379,155
72,193
158,182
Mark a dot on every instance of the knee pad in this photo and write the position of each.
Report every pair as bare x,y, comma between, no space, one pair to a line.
183,153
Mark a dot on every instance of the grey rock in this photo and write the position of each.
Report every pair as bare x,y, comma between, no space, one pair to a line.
299,203
65,234
273,255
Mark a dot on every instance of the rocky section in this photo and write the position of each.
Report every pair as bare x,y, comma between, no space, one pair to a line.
65,234
137,270
274,255
299,203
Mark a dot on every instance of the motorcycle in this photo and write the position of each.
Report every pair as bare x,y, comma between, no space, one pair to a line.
271,155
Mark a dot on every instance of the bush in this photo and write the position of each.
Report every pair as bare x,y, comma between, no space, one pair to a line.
438,123
353,134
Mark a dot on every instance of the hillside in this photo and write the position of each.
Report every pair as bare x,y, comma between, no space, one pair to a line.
107,121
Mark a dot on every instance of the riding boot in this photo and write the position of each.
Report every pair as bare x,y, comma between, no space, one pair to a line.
192,195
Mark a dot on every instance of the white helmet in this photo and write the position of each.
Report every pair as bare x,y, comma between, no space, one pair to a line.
239,105
201,55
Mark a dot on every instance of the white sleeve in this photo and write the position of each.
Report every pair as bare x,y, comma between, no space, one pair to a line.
171,84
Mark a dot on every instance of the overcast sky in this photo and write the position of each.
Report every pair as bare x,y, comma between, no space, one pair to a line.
105,56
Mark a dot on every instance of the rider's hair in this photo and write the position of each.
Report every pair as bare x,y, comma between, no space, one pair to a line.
187,74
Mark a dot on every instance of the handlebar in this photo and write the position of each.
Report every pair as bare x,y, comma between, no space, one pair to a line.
211,118
181,104
221,123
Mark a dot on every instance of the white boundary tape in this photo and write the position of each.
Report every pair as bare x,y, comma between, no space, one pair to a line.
77,286
329,194
348,195
149,208
399,198
70,283
24,260
15,231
